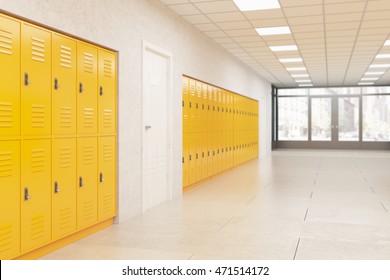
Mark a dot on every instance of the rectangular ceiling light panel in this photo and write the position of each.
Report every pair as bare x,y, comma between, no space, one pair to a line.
296,69
256,5
383,55
288,60
283,48
380,66
281,30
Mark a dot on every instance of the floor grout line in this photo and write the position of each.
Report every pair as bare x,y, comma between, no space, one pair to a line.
373,191
225,224
311,196
296,249
191,256
307,210
384,207
250,200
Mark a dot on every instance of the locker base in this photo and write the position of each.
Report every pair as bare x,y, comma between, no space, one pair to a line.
55,245
197,184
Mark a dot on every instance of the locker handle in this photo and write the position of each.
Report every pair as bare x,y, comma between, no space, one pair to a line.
26,80
81,184
182,159
101,90
56,187
81,89
202,154
26,195
101,178
182,103
196,155
190,157
56,85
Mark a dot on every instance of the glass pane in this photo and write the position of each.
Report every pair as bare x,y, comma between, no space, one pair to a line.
335,91
321,119
293,91
374,90
293,118
349,119
376,118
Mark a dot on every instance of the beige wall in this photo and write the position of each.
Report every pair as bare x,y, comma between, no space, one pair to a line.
123,25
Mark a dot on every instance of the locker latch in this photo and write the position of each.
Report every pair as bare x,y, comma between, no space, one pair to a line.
202,154
56,187
101,91
81,184
182,103
56,85
81,89
101,178
182,159
26,195
26,81
196,155
190,157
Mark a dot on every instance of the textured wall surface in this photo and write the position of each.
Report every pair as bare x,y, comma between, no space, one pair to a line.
123,25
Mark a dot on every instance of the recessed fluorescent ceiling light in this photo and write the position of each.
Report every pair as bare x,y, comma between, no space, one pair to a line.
303,81
383,55
283,48
300,75
365,84
273,30
288,60
306,85
255,5
370,79
296,69
374,73
380,66
387,43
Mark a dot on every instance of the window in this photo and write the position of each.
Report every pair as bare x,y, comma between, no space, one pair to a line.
376,118
293,118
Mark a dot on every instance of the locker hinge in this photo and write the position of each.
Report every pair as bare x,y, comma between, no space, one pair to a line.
101,178
81,89
26,195
81,184
101,91
56,85
56,187
26,80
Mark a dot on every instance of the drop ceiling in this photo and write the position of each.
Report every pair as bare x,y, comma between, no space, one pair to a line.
338,40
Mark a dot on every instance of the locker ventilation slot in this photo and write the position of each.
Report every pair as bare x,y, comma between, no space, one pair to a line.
37,227
107,153
5,164
88,63
37,160
107,118
65,117
5,115
65,157
37,116
88,210
107,203
5,42
88,155
107,68
65,57
65,218
88,117
38,49
6,233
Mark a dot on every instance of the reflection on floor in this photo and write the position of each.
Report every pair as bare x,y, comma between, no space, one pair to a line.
293,205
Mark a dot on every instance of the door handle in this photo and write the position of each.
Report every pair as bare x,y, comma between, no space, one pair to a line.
26,80
56,85
81,89
56,188
26,194
81,183
101,178
101,90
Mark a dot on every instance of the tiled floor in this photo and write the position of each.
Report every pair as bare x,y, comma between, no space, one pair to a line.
294,205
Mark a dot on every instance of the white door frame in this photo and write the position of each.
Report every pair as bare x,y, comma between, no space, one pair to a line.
149,47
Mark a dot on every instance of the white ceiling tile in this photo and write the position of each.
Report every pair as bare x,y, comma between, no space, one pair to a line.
234,25
343,17
378,5
197,19
304,11
343,7
223,40
306,20
242,32
376,23
309,35
307,28
225,17
173,2
294,3
266,14
383,14
185,9
247,39
342,26
217,7
215,34
207,27
258,23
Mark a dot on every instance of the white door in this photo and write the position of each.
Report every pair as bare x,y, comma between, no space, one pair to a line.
156,148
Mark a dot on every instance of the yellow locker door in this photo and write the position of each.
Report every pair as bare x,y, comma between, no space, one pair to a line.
215,110
204,108
185,105
36,81
86,181
215,153
185,159
192,106
209,154
9,77
64,85
223,152
209,108
35,193
198,157
198,106
107,178
87,89
192,158
204,155
107,92
9,199
63,187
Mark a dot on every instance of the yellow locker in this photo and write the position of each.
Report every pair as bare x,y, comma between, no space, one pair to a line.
204,155
87,89
107,178
86,181
198,106
185,159
9,77
192,106
209,108
192,158
223,152
63,85
204,108
198,157
9,199
106,92
185,105
63,187
215,153
209,154
36,81
215,110
35,193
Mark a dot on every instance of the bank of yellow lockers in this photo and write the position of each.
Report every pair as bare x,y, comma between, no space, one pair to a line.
220,130
58,160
